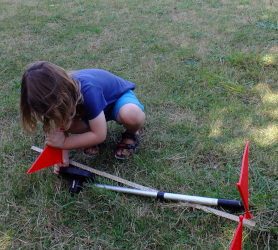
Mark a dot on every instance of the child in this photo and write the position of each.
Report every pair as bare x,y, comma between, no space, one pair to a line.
79,103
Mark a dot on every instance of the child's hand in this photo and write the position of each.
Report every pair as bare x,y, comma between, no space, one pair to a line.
57,168
56,138
64,164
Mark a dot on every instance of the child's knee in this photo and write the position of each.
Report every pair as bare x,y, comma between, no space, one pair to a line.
132,115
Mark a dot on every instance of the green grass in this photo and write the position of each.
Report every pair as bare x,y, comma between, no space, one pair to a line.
206,72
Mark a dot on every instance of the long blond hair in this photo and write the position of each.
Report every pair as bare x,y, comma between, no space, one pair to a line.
48,94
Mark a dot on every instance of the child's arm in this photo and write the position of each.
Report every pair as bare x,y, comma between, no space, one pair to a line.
57,138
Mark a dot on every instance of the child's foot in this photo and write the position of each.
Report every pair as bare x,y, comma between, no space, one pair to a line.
91,151
127,146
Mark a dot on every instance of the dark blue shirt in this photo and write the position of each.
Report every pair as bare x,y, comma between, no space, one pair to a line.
99,89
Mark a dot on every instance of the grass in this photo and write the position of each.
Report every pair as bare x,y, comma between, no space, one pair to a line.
206,72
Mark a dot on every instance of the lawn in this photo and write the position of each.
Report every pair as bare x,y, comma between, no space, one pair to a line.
206,72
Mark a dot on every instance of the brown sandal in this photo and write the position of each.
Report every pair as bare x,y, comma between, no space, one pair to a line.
130,147
85,151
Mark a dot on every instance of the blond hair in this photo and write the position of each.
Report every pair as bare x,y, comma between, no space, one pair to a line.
48,94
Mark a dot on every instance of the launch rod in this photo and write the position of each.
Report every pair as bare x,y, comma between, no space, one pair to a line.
232,204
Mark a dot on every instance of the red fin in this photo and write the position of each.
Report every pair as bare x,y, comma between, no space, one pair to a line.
237,241
243,185
48,157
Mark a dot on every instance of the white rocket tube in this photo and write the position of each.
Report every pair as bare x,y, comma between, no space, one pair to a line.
176,197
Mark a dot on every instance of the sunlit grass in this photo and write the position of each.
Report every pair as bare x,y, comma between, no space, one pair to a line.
271,98
266,136
5,241
270,59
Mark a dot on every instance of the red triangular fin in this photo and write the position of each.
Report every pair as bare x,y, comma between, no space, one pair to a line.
243,185
48,157
237,241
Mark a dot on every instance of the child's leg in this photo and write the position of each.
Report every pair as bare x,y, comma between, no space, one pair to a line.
132,117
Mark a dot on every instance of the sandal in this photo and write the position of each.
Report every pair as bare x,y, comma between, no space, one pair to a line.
86,151
130,147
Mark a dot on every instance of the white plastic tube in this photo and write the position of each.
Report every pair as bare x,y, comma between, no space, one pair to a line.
167,196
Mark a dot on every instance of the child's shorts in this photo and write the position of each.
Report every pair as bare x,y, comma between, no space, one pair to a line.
112,110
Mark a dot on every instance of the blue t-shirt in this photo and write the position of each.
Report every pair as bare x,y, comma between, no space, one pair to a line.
99,89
